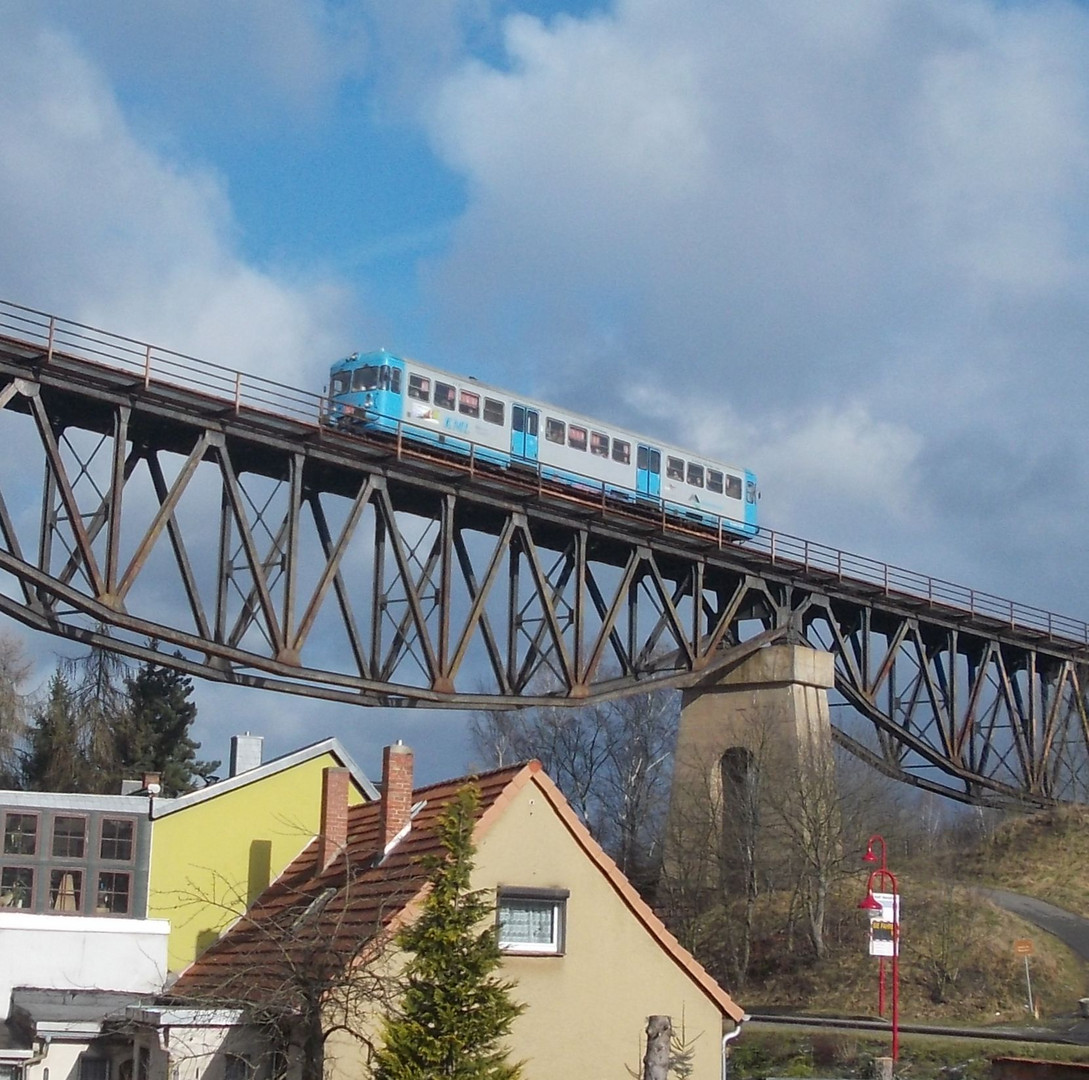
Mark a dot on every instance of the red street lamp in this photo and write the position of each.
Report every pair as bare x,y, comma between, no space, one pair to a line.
874,908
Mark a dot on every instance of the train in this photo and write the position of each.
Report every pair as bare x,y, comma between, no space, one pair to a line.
377,392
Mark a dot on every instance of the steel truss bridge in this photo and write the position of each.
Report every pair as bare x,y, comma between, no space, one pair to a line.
168,508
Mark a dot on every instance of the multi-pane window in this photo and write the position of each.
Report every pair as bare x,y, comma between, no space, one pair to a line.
66,890
599,444
714,481
576,437
69,836
114,890
622,451
674,468
733,486
695,474
493,411
236,1067
469,403
117,839
16,887
555,430
419,387
20,834
532,921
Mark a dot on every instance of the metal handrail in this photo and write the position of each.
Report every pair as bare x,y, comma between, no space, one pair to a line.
155,365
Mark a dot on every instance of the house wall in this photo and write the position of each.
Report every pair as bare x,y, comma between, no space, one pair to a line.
587,1010
77,952
211,860
62,1059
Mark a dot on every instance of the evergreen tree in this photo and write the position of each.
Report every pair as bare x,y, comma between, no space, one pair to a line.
55,760
153,734
456,1011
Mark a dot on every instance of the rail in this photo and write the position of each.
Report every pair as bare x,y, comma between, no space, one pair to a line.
50,334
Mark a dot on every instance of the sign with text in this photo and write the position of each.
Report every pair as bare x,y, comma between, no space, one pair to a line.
1022,947
884,925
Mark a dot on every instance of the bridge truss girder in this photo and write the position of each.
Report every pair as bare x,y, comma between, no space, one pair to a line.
267,552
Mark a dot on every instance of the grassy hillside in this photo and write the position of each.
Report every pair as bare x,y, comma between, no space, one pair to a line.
957,961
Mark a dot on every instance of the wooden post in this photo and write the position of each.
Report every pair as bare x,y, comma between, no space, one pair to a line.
656,1059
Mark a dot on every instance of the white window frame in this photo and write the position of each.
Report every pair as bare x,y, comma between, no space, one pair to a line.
553,900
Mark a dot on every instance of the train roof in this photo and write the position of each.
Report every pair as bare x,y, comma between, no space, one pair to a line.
382,355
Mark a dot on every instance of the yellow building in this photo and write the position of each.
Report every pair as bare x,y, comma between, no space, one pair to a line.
215,850
590,960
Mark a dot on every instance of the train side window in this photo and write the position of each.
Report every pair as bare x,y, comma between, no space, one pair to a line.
445,395
695,474
469,403
395,380
714,481
493,411
419,387
555,430
622,451
750,492
576,437
733,486
342,383
674,468
599,444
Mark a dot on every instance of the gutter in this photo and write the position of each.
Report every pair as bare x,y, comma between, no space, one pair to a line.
729,1038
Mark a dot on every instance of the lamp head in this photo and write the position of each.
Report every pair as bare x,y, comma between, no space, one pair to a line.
870,903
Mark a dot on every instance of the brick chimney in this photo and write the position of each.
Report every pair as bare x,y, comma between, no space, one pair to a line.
334,816
396,791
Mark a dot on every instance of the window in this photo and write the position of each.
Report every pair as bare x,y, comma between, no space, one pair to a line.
419,387
493,411
116,841
622,451
113,893
555,430
16,887
532,920
599,444
342,383
733,486
469,403
674,468
695,474
93,1068
394,379
20,834
236,1067
65,890
445,395
576,437
750,491
68,837
714,481
366,377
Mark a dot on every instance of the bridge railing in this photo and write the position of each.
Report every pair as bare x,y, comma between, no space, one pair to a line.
153,365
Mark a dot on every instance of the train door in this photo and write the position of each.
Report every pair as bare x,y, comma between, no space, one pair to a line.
648,471
524,423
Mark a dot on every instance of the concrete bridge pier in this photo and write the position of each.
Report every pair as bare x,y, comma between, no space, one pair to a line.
764,722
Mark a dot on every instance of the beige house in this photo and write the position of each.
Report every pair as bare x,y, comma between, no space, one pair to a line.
589,958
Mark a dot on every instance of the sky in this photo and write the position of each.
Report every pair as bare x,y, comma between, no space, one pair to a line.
844,245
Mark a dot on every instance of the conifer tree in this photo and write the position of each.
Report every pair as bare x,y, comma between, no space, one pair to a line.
456,1010
55,760
153,735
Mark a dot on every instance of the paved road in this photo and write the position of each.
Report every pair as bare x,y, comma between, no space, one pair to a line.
1072,930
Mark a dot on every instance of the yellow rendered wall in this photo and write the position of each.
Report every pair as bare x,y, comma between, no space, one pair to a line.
587,1010
212,859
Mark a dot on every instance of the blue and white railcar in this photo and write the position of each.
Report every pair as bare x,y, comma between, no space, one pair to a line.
380,392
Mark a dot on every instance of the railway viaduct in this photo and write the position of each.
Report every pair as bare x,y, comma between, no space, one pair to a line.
158,497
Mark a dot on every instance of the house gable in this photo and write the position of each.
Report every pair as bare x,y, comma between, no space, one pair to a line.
213,856
618,964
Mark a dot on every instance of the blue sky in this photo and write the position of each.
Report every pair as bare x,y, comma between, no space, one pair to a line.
843,244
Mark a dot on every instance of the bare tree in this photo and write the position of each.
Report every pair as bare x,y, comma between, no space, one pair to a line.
14,671
613,762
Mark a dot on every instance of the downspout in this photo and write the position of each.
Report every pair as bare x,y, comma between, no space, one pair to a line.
39,1057
729,1038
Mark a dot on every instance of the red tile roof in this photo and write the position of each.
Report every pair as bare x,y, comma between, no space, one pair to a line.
306,925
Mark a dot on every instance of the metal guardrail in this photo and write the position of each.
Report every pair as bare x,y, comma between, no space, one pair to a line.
154,365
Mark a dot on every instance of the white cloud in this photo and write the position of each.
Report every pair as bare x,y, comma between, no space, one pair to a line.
97,227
